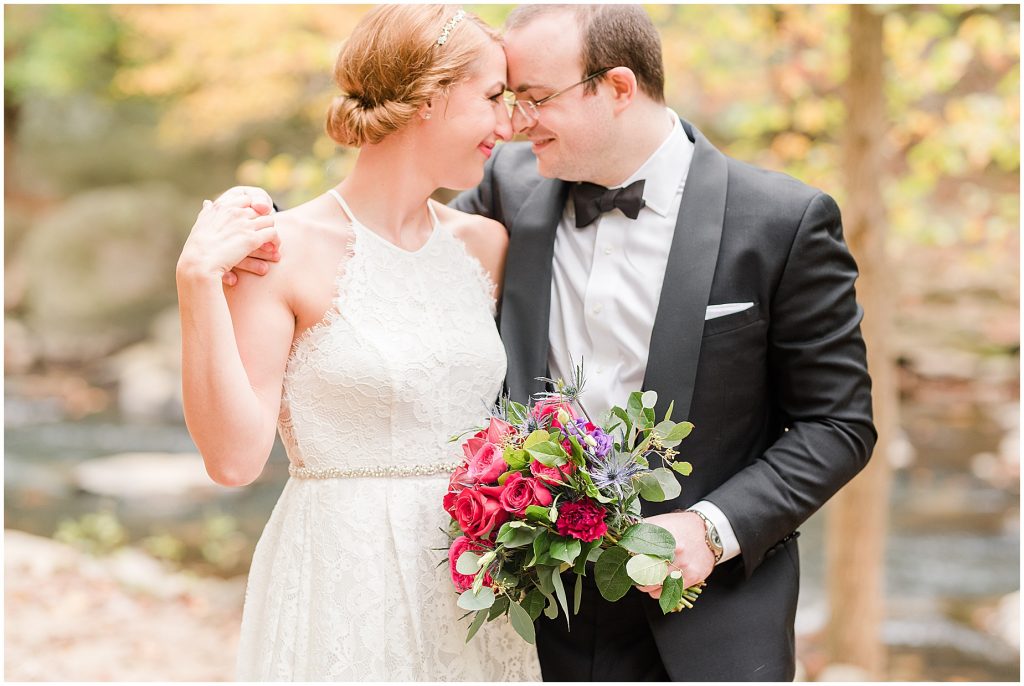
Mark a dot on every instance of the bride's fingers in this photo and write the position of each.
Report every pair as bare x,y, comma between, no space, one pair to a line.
268,235
253,266
267,251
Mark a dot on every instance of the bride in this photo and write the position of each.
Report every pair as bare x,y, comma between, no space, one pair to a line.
367,346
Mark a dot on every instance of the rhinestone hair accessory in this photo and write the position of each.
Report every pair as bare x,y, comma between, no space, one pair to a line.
452,23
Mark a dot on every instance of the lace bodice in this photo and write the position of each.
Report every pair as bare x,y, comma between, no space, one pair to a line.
408,355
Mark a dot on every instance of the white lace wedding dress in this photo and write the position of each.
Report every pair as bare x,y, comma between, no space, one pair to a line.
345,583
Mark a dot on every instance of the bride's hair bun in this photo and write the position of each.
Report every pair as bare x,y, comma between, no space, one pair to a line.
393,65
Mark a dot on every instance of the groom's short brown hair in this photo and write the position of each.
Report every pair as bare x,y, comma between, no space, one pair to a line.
612,36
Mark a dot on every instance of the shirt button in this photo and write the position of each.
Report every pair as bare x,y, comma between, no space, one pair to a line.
597,309
599,370
607,251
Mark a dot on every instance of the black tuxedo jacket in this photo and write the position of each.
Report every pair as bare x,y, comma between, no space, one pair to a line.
779,394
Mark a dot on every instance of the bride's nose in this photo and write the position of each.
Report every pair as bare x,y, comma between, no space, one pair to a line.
503,124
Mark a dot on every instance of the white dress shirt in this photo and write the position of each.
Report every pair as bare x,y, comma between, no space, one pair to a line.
605,287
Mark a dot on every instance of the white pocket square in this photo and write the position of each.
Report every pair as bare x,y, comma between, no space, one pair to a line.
716,311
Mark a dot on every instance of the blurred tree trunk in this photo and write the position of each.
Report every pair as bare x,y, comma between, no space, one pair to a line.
858,515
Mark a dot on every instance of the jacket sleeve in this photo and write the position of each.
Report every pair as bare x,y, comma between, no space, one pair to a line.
818,368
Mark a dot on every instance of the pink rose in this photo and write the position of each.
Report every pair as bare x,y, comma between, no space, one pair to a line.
551,474
581,519
477,514
551,406
486,461
497,430
520,492
460,545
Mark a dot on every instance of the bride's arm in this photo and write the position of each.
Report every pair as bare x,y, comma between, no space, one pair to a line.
235,345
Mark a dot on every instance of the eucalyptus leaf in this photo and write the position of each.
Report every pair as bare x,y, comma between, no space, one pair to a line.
551,611
580,567
522,622
669,483
476,601
671,592
645,570
516,536
468,563
533,603
478,622
565,549
649,539
662,429
499,608
540,546
538,513
650,487
595,554
684,468
577,595
681,431
668,412
556,578
649,398
610,573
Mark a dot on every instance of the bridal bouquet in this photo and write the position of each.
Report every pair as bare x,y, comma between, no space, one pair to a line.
544,490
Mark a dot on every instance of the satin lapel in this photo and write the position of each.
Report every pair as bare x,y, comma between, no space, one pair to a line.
679,324
526,302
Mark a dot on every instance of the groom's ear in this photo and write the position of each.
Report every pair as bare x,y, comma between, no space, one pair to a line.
622,83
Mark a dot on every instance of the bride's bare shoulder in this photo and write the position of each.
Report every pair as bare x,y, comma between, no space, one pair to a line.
478,233
485,239
311,231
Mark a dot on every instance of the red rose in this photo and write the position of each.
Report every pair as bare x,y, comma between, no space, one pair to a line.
520,492
486,461
448,502
459,480
477,514
551,474
581,519
460,545
551,406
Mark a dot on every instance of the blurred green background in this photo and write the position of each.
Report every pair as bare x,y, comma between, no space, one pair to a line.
124,561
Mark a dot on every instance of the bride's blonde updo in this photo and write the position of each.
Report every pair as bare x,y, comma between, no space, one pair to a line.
393,64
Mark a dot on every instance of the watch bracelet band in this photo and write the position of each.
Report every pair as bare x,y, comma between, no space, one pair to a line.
709,526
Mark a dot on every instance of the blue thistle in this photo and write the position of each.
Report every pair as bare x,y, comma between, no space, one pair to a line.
614,471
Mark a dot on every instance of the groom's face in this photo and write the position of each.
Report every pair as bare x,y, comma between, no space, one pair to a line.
571,133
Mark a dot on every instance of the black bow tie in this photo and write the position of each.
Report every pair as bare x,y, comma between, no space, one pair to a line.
592,200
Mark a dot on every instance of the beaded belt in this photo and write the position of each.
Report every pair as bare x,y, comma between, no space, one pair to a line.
357,472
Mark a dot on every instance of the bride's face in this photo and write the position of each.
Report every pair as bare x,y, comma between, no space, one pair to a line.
470,121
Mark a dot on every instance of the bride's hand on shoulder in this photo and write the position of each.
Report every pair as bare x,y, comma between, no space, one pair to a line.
229,234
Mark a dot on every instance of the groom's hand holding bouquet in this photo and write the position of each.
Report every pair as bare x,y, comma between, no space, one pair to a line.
544,490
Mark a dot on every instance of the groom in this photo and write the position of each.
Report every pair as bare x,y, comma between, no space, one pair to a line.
641,250
723,287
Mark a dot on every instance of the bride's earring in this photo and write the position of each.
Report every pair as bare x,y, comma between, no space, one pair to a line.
427,115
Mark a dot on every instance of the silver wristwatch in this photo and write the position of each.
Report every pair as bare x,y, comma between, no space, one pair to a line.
711,536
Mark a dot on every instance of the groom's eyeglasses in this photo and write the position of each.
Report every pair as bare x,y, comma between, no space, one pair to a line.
529,109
